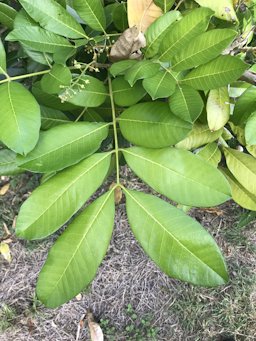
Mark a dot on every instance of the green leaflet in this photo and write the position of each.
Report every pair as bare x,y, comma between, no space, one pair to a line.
161,85
8,163
250,130
119,68
73,261
211,153
165,5
239,194
157,30
141,70
124,94
55,201
92,12
40,40
202,49
2,58
64,145
243,167
176,243
183,31
53,17
245,105
87,92
7,15
179,175
51,118
199,136
186,103
215,74
20,118
59,76
152,125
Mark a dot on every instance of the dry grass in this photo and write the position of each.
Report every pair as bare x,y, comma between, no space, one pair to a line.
176,311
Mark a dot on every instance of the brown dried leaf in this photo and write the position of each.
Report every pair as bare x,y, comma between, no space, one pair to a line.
95,329
5,251
4,189
128,45
142,13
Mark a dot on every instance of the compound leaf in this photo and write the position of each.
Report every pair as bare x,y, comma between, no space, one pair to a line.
141,70
59,76
161,85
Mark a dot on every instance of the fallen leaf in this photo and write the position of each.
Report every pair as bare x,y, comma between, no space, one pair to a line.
4,189
94,328
5,251
142,13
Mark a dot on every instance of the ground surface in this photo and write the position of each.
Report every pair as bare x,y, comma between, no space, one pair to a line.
130,296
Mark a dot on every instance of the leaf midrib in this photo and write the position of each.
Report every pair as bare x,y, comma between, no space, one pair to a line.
64,146
55,19
170,234
81,241
67,188
199,184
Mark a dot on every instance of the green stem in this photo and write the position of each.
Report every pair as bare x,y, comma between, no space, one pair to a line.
115,129
8,79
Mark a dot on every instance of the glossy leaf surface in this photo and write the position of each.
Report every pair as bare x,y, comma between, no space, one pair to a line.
176,243
203,48
199,136
125,94
64,145
73,261
215,74
55,201
92,12
53,17
156,32
161,85
183,31
20,118
179,175
152,125
243,167
186,103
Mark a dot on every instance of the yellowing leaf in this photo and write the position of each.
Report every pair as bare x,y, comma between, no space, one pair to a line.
142,13
4,189
224,9
5,251
95,330
218,108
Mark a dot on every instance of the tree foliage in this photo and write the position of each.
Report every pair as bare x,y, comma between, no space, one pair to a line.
168,101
